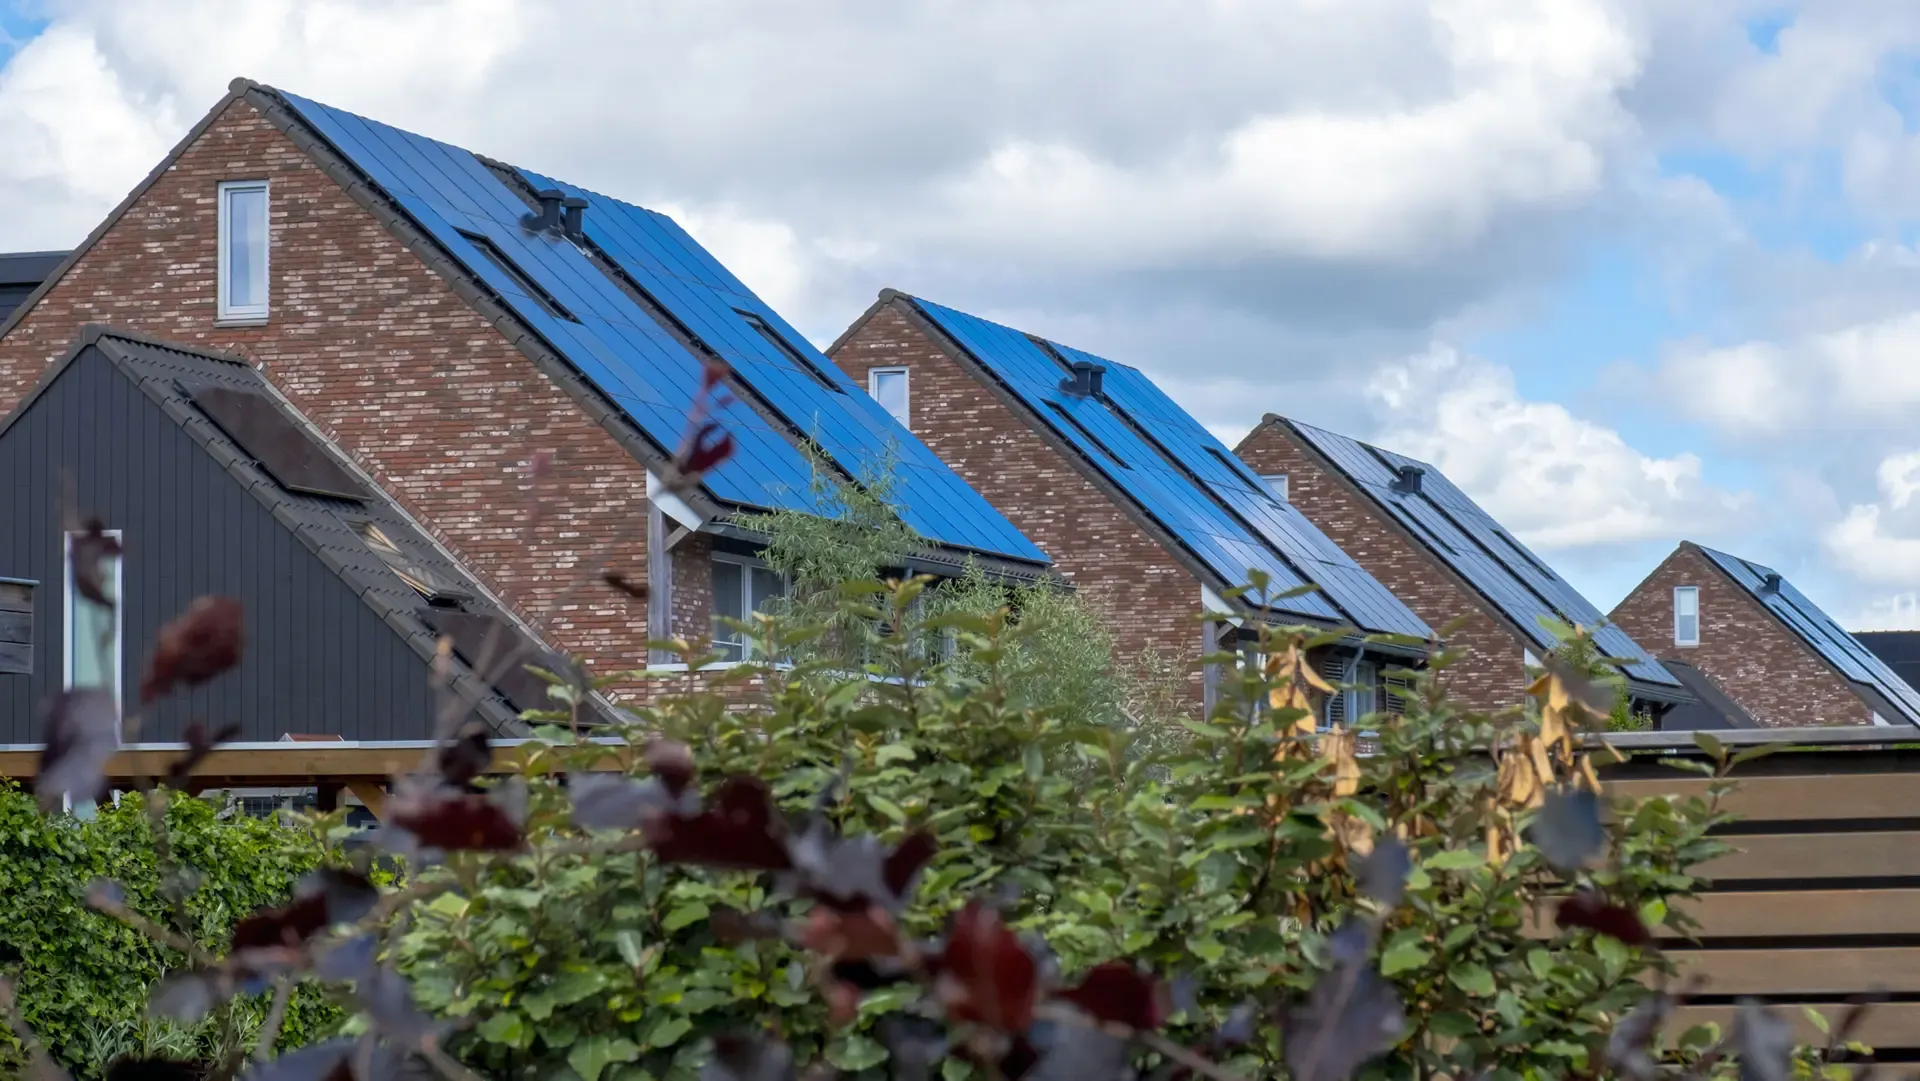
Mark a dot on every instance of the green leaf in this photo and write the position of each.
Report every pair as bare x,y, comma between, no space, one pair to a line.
1613,953
1456,859
1707,742
628,943
893,752
856,1053
1453,1024
592,1055
1560,1049
1817,1020
886,807
682,915
1473,979
505,1027
1540,963
1403,957
1758,751
667,1031
574,986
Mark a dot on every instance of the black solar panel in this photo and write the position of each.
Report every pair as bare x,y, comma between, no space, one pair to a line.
265,434
497,652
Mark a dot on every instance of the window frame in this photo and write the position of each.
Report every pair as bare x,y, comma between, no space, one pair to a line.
747,564
1282,492
68,600
1362,688
225,311
1679,641
906,397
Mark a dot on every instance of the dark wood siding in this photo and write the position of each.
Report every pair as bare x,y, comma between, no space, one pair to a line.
318,659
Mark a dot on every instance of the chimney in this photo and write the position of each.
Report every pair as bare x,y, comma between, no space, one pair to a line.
1087,379
548,220
1771,583
1406,479
573,208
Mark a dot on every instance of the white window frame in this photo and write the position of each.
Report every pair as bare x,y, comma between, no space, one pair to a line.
746,565
1694,593
1277,486
119,622
906,402
227,312
1363,688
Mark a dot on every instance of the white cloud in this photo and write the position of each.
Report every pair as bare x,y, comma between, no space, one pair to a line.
1879,542
1862,372
1555,479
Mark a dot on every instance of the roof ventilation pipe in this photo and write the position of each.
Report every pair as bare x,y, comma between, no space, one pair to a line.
1770,584
573,208
1087,379
548,220
1406,479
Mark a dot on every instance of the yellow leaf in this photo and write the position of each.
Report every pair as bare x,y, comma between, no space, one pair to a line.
1587,773
1337,747
1351,833
1542,763
1518,781
1553,730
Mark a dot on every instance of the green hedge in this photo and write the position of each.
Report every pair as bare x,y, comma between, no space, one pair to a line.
83,976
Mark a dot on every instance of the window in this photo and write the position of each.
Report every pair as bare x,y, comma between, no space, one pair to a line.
889,387
741,586
403,566
16,626
528,287
1277,484
1686,616
243,251
1363,694
93,632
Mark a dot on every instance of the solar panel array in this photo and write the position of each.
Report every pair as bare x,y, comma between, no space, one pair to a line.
1819,631
1176,472
592,320
1468,539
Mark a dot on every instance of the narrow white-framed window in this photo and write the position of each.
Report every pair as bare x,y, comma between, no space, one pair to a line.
94,632
1277,484
889,387
1363,693
1686,615
741,585
242,286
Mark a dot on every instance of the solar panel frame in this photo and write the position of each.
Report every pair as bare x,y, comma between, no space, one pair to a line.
256,425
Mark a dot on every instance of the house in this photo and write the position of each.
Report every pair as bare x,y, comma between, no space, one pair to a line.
1138,504
1762,643
1900,650
214,485
1448,559
21,273
442,317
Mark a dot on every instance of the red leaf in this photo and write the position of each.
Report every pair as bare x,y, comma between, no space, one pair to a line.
707,446
466,756
201,643
199,746
1591,910
986,975
1120,994
904,863
850,936
636,590
324,898
90,549
82,732
740,831
457,822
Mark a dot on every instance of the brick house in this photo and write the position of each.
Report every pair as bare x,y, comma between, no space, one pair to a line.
1140,507
213,485
1762,643
441,317
1449,561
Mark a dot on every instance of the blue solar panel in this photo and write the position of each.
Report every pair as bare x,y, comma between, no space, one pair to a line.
1820,632
1473,544
1161,462
617,344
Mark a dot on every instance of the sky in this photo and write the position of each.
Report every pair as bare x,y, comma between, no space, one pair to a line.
1630,272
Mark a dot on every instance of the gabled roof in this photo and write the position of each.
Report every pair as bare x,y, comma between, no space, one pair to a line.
1467,540
624,311
285,464
1876,683
1172,475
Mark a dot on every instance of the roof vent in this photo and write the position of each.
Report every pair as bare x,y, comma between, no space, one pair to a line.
1770,583
572,208
1406,479
1086,380
548,220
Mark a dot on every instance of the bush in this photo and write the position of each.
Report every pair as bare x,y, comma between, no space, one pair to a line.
85,976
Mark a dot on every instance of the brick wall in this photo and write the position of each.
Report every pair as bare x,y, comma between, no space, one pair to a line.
1094,543
387,360
1771,672
1490,673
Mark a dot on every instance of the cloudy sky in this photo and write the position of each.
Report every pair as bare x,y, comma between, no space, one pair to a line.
1630,271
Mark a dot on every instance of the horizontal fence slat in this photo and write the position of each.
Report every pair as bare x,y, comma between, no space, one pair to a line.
1801,798
1806,913
1883,854
1834,971
1887,1026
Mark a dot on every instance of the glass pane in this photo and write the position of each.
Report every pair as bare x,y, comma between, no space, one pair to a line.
92,638
1686,628
247,248
767,585
890,390
728,588
1685,602
1277,483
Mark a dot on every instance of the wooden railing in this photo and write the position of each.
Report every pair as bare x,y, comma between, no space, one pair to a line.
1821,899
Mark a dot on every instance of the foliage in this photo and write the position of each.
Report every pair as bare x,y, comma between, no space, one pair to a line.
84,976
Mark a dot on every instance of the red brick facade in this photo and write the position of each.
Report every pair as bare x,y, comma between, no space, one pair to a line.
1768,670
1094,542
1491,671
386,359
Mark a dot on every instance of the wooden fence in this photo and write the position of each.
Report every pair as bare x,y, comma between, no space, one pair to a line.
1821,900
